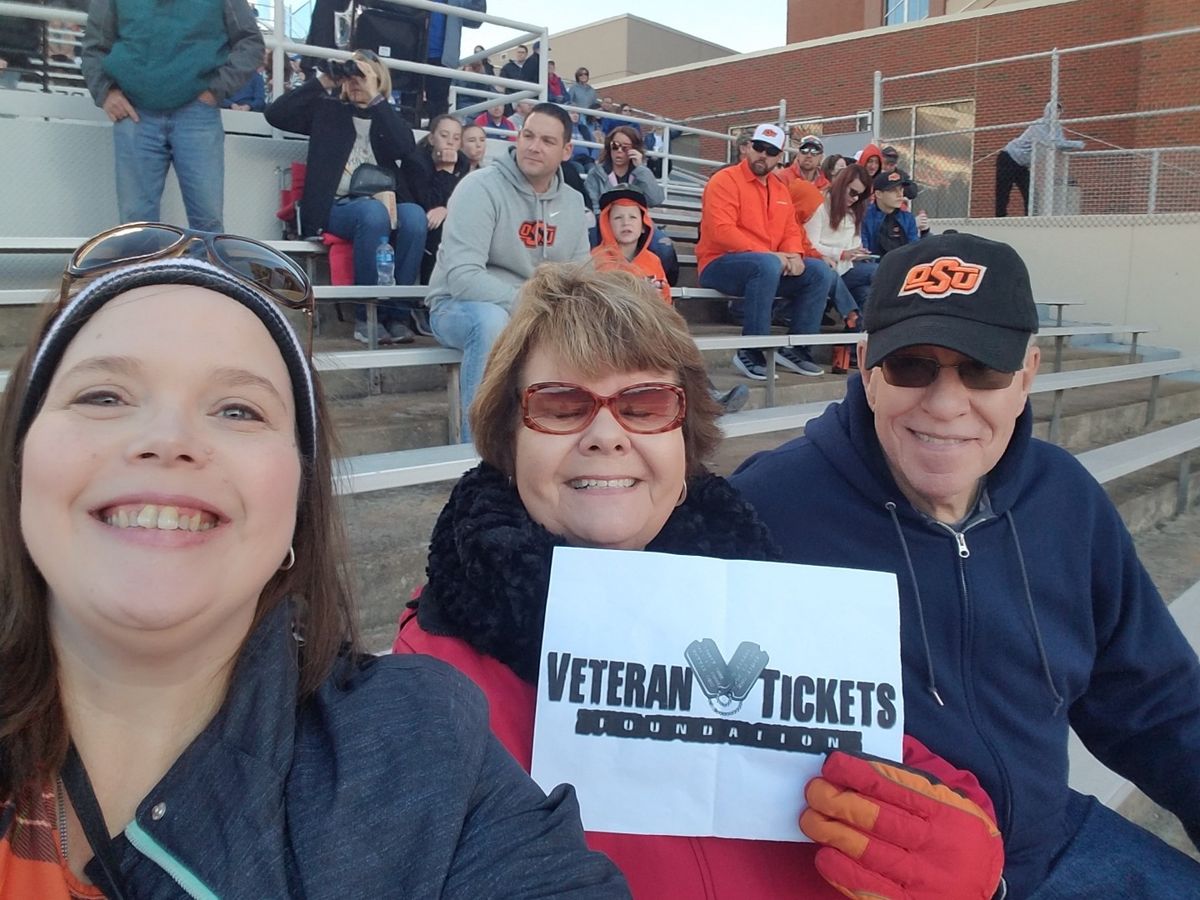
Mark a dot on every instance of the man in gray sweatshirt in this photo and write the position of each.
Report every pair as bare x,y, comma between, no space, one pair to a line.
502,222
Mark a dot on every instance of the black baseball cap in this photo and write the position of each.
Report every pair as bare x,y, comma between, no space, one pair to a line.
629,192
889,152
958,291
886,181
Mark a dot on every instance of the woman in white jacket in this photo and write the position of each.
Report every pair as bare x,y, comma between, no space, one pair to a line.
835,231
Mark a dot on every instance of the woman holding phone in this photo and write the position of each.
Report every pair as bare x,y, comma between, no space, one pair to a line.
184,710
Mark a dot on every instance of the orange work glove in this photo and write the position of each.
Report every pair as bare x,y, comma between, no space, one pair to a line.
889,832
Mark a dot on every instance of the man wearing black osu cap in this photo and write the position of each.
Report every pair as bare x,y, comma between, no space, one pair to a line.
1024,608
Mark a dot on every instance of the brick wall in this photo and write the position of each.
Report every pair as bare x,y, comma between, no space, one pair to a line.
836,78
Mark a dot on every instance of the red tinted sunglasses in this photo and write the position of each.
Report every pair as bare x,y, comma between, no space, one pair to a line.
558,407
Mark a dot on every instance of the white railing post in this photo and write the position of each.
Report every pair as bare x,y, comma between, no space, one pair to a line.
1051,174
279,61
544,65
877,107
1155,161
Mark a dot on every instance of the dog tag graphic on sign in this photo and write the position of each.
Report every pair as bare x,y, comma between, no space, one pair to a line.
747,664
725,684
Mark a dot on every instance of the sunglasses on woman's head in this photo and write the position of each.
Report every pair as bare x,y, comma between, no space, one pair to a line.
922,371
558,407
256,263
764,147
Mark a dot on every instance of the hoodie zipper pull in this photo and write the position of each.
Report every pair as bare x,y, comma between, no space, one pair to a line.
961,540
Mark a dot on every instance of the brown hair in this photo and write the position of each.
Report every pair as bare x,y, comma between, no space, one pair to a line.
33,727
828,163
838,190
595,322
634,135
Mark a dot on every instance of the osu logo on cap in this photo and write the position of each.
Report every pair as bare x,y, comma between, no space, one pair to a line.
770,132
537,234
944,275
894,176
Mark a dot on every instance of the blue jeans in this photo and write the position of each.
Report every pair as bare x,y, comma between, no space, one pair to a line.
758,277
1109,856
664,248
364,221
851,289
471,326
193,140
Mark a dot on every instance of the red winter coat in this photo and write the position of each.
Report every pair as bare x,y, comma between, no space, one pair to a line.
663,867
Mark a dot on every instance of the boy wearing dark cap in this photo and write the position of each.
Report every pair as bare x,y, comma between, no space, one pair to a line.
887,224
625,229
1024,610
891,163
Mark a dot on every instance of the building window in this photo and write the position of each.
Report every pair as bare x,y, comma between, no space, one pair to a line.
897,12
937,146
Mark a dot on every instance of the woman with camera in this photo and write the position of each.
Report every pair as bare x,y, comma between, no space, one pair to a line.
353,187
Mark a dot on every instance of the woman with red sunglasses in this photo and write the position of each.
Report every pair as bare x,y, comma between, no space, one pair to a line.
595,426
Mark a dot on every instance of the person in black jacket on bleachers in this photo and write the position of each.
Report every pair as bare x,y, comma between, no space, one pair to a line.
433,172
351,124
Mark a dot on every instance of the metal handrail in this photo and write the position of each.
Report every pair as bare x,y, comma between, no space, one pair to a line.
276,39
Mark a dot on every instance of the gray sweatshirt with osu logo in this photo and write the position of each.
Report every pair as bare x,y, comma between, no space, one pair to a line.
497,231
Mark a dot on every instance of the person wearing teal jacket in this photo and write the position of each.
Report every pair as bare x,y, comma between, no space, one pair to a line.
160,70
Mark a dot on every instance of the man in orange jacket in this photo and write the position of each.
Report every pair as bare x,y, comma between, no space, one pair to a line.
751,247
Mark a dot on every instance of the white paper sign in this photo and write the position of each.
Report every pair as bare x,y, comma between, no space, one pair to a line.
691,696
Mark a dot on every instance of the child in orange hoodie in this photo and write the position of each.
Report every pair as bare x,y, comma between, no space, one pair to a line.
625,229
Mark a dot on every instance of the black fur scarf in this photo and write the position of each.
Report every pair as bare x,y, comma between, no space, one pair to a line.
489,562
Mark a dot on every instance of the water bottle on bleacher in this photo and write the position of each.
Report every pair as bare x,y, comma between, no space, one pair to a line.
385,264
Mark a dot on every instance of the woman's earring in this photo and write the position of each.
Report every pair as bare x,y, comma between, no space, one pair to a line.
682,494
290,561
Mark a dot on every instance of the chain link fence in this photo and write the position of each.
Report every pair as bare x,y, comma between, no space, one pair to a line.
1101,129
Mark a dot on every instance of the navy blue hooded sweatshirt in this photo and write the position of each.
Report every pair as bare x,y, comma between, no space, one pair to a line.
1037,616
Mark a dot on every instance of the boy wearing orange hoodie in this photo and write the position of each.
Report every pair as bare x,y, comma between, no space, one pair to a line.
625,229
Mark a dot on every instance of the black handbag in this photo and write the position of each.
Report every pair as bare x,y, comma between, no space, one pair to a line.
370,179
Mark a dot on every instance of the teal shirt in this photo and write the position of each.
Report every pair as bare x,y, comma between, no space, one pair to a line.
166,52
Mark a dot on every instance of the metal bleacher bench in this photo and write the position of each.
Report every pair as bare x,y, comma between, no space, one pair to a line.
402,468
1059,382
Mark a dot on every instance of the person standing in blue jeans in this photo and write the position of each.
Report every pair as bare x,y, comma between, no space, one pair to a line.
160,71
502,222
346,114
751,247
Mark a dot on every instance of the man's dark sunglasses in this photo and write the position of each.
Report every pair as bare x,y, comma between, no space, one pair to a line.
253,262
764,147
922,371
810,150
